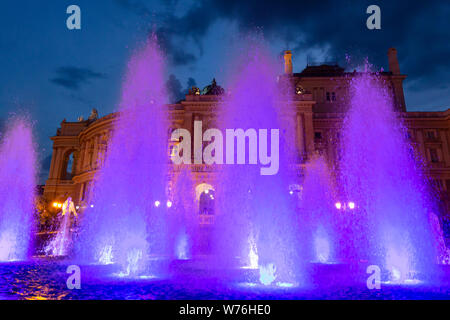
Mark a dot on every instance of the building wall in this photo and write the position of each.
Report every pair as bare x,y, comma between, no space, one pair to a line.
88,143
331,94
429,133
317,119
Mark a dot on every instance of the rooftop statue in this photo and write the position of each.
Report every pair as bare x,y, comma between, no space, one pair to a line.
194,90
94,115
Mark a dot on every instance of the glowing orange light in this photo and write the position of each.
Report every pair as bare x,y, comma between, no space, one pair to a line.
338,205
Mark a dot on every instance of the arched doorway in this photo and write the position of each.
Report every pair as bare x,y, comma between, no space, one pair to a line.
206,202
206,199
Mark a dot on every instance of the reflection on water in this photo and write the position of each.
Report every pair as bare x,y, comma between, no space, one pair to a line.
35,282
43,279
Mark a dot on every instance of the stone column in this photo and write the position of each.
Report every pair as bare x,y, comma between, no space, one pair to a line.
95,152
328,135
102,155
52,164
421,145
309,133
199,141
86,155
189,126
300,130
101,150
76,156
80,159
440,155
55,164
80,197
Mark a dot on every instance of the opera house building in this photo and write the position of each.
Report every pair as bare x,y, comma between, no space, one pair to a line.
80,148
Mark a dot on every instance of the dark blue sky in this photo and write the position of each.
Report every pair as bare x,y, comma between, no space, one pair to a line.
55,73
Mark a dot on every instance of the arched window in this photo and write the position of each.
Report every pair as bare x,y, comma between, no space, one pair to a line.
67,169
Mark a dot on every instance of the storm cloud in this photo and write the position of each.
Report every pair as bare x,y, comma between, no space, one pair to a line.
73,78
418,29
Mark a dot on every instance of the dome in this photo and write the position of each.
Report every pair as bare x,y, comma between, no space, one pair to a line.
213,89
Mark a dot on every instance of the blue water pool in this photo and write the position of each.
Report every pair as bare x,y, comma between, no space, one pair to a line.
44,279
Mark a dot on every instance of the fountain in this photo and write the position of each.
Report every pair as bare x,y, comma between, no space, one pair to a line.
126,223
273,234
256,224
60,244
317,210
17,190
389,226
443,252
182,216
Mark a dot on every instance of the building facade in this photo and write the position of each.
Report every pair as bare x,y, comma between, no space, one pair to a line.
321,100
